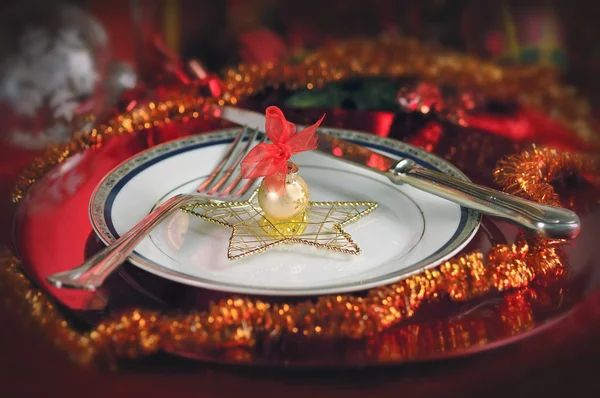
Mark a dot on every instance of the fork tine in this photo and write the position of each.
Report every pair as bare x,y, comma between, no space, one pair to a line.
240,156
236,142
239,178
244,188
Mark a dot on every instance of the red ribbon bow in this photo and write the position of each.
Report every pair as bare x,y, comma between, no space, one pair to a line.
271,160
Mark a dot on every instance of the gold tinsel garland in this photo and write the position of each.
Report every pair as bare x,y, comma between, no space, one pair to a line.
238,322
534,86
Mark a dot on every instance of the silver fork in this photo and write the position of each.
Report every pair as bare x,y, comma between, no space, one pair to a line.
93,272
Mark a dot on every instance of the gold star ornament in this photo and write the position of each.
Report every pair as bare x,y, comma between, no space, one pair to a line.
320,225
280,210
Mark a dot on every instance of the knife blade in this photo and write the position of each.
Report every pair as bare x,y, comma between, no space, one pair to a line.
543,220
326,144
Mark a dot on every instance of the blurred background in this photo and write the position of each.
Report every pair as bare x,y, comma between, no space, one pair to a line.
66,63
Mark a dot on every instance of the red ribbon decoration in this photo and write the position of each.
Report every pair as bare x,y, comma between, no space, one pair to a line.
271,160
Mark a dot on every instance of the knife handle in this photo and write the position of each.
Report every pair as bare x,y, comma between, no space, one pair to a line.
543,220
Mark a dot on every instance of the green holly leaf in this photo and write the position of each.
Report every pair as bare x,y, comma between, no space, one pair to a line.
328,97
371,94
376,95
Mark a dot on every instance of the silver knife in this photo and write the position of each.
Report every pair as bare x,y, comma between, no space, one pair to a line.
543,220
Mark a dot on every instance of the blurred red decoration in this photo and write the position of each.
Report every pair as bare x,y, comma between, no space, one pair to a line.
426,98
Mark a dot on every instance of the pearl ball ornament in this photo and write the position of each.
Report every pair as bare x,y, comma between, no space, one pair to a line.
289,204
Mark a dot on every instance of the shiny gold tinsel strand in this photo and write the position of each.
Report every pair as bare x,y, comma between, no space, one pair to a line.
529,174
533,86
35,306
239,323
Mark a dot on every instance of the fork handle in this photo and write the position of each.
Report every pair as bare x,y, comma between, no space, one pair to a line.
546,221
93,272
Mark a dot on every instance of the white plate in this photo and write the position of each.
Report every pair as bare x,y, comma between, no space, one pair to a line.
409,231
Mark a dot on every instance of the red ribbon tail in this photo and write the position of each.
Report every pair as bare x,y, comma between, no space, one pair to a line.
305,140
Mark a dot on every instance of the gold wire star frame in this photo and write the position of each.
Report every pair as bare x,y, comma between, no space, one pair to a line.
321,226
